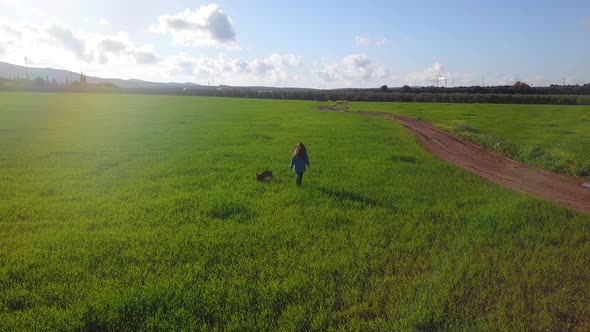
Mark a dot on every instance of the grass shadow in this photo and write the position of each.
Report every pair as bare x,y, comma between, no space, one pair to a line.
225,210
404,159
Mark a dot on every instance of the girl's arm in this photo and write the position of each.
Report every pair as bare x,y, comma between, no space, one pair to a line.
307,162
292,162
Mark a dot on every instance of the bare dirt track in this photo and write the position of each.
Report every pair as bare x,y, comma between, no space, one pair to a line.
509,173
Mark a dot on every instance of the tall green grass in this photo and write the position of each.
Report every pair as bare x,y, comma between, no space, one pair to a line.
126,212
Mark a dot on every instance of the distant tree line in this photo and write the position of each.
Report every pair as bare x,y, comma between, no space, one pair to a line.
516,88
424,95
519,93
40,83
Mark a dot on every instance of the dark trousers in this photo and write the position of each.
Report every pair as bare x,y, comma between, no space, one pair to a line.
299,177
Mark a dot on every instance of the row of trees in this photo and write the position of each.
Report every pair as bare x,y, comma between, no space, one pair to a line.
46,83
14,80
516,88
40,81
425,97
383,94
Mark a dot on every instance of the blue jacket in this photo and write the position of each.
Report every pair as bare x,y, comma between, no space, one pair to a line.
299,164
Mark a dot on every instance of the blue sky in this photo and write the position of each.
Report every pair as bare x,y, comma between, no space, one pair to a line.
304,43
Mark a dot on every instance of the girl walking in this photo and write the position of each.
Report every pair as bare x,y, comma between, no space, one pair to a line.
299,161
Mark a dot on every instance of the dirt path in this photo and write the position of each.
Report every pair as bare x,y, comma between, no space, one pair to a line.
543,184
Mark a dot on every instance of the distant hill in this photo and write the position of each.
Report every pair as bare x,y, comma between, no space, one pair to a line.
59,75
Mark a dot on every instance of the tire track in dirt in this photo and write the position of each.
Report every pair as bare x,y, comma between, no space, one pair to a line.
555,188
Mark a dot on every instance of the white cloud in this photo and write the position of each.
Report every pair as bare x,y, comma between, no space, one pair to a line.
103,21
462,79
428,76
10,31
354,69
58,46
206,26
112,46
436,70
146,57
381,41
120,49
273,63
362,41
117,55
51,42
69,41
276,69
369,42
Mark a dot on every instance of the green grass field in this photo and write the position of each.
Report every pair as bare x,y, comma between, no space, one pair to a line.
553,137
129,212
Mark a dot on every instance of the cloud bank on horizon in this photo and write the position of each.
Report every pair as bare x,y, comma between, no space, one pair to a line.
203,45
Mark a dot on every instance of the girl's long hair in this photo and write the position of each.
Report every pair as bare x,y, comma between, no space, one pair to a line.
300,151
